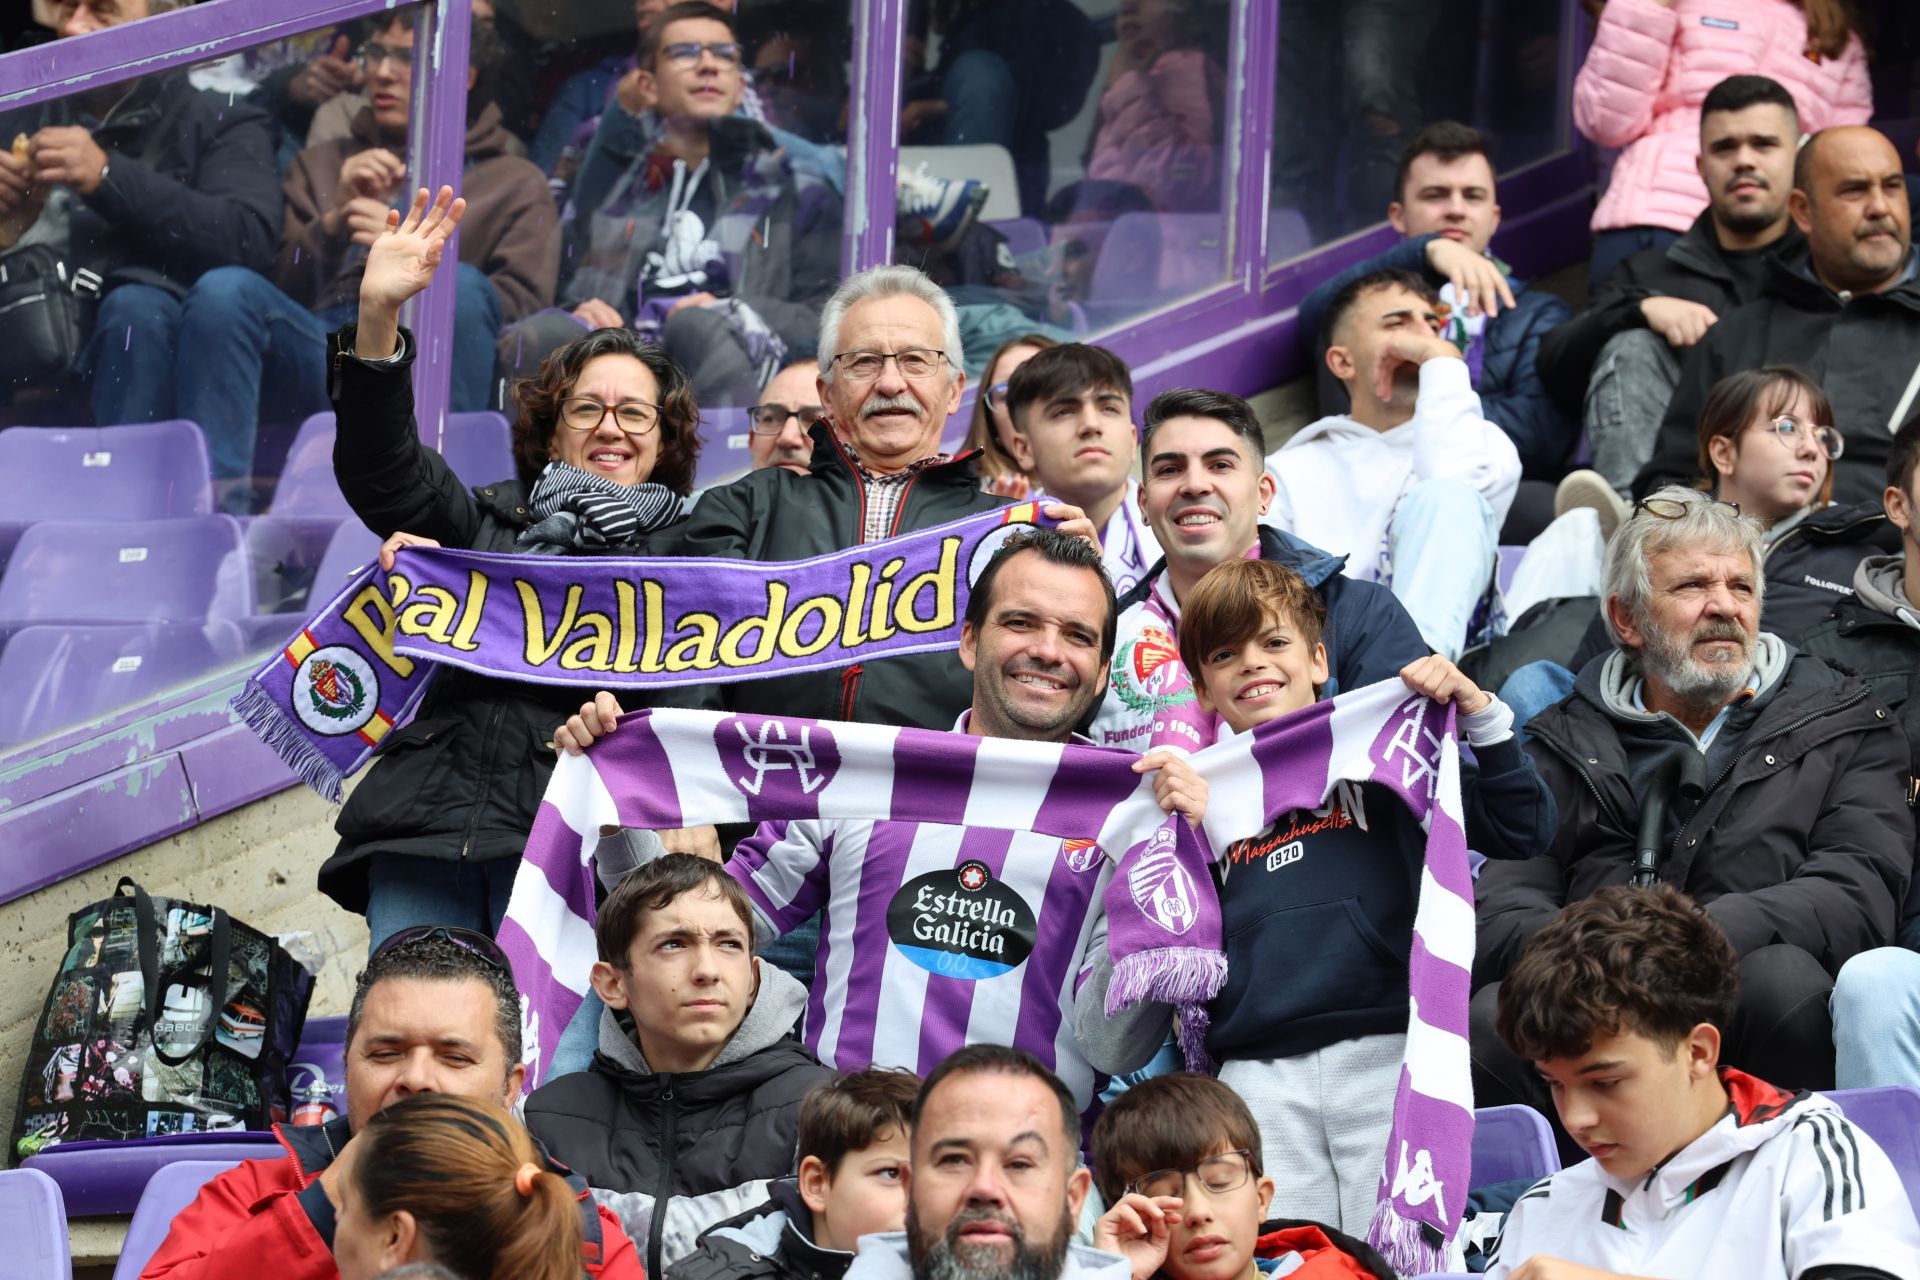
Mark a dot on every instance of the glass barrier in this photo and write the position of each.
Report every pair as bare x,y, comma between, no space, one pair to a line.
1061,161
702,193
1358,78
176,249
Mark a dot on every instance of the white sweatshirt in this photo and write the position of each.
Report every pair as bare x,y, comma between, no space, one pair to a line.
1338,482
1781,1187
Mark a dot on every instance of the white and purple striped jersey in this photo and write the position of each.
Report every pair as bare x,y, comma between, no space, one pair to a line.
934,937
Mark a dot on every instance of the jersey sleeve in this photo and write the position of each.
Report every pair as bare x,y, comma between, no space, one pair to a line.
1523,1232
783,868
1842,1203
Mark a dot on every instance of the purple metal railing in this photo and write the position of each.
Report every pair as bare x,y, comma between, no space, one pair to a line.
93,792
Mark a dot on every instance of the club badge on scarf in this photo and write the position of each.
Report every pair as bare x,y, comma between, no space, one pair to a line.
669,769
361,664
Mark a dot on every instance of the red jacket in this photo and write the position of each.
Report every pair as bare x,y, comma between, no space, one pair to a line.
1325,1254
247,1222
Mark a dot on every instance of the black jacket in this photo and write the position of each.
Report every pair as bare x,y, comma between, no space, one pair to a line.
1885,651
774,514
1810,567
1693,268
660,1139
1803,837
771,1241
463,779
1330,905
190,185
1862,351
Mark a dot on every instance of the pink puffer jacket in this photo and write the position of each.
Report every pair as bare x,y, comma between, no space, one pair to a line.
1157,131
1651,67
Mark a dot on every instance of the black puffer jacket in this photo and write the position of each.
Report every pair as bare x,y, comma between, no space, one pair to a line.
463,779
771,1241
776,515
1804,835
1863,351
684,1150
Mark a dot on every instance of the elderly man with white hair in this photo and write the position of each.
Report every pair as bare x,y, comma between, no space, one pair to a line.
1706,753
891,372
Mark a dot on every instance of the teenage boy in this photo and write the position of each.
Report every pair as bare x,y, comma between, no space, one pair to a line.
691,1105
1325,897
852,1183
1696,1169
1179,1160
1072,412
1413,481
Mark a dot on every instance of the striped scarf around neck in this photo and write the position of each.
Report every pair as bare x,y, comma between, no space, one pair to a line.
578,511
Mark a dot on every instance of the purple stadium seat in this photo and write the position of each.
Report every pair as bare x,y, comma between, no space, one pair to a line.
108,1177
171,1189
352,546
142,472
58,676
1510,558
188,570
33,1221
1155,257
1512,1142
479,447
307,487
1023,235
1890,1115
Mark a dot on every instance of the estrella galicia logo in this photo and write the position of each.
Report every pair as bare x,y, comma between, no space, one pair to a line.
768,761
335,691
962,923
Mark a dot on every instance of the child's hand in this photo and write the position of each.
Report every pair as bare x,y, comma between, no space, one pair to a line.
1140,1230
1177,787
1443,682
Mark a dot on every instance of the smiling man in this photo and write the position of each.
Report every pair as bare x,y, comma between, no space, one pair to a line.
1694,1168
1795,837
435,1011
693,1102
1845,310
996,1185
931,934
1204,490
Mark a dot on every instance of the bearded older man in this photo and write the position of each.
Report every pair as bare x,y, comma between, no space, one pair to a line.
1785,784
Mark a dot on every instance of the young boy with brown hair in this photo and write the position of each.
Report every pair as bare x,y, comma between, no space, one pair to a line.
1178,1159
853,1152
1311,1026
1697,1170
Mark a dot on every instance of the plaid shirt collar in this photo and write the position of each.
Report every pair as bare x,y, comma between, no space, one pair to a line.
884,493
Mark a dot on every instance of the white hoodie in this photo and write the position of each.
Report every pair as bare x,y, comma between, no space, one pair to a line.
1338,482
1781,1187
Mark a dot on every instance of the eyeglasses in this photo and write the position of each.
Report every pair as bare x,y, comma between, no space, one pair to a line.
1789,430
372,55
996,395
865,366
583,413
1219,1174
687,53
466,939
771,419
1675,509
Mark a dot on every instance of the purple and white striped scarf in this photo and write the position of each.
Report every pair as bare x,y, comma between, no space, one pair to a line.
668,769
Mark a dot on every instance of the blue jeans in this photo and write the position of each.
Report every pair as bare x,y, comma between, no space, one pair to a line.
404,890
1443,542
1532,689
1876,1019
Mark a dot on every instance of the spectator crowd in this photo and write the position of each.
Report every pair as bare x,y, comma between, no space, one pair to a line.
1690,754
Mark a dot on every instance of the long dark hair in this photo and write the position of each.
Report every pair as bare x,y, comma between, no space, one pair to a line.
539,397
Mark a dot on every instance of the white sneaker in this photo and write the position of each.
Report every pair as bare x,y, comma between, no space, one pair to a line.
937,211
1590,489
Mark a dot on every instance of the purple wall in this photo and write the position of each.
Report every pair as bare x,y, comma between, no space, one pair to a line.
93,793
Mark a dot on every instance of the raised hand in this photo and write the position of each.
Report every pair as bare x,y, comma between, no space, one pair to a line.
400,263
1140,1230
1478,285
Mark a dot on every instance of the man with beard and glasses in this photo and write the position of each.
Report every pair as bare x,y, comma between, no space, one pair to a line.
1793,830
995,1184
1620,358
1845,311
930,934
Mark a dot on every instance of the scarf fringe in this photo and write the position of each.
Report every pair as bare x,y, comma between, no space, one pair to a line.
287,738
1168,975
1407,1243
1193,1024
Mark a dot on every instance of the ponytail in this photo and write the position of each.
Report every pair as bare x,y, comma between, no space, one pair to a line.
1829,27
476,1184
